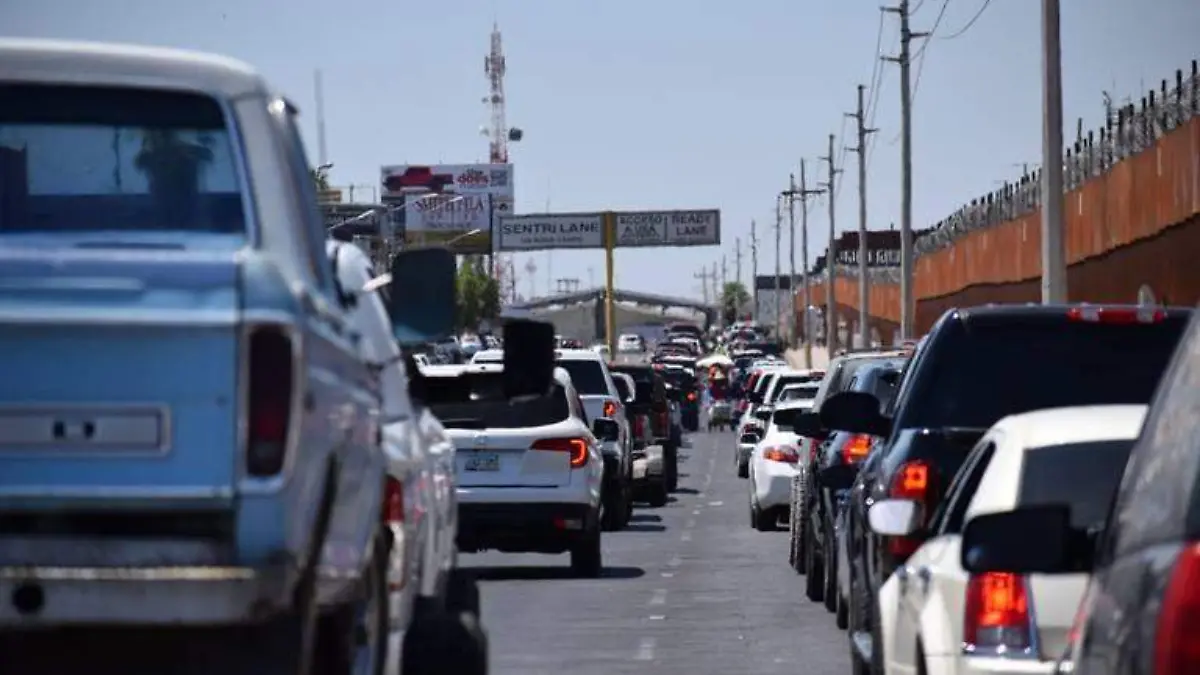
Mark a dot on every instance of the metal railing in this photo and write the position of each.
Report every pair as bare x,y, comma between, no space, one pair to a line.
1128,130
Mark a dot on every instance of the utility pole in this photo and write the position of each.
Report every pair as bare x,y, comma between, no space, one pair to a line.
907,302
831,322
737,260
1054,264
754,269
716,289
791,201
778,271
724,272
803,194
702,275
864,290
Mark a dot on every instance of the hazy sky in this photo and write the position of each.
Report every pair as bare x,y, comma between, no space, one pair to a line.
666,103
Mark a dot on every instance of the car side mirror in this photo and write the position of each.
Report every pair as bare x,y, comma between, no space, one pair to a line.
422,295
855,412
894,517
1028,540
806,423
763,414
605,429
837,477
528,357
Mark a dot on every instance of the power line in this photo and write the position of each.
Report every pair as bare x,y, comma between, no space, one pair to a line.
959,32
936,22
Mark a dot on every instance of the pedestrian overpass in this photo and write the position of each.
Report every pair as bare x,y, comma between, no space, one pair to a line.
580,314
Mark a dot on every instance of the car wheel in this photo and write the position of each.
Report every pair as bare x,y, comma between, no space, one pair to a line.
767,520
587,556
443,642
462,592
357,633
657,496
830,569
795,528
814,581
671,467
611,507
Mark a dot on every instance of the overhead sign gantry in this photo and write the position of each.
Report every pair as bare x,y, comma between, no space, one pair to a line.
609,230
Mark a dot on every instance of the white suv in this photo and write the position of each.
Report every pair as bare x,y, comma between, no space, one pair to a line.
529,472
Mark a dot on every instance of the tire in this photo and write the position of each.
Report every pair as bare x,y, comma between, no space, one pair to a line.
743,467
841,616
340,635
767,520
795,550
442,642
814,573
755,514
611,507
462,593
587,556
857,622
671,466
657,495
627,491
830,570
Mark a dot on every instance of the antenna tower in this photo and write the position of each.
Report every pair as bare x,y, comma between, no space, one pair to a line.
493,66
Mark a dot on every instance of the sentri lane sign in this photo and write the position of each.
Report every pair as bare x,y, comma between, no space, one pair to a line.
630,229
550,231
668,228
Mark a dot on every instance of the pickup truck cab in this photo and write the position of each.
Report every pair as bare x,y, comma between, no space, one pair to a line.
188,432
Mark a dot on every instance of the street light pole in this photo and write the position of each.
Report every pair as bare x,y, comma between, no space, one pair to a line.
1054,264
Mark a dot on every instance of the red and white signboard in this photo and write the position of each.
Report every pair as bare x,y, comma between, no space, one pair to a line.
463,179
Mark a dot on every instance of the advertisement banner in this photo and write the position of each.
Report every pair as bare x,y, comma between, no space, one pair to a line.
462,222
399,180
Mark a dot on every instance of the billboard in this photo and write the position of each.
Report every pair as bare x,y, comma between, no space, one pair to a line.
400,180
460,222
632,229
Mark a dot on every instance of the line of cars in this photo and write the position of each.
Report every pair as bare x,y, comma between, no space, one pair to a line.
1014,497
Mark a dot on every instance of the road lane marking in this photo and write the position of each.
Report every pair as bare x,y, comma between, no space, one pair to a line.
668,575
659,597
674,562
645,650
716,503
695,512
686,536
657,617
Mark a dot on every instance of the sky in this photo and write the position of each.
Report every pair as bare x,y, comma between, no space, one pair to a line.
669,104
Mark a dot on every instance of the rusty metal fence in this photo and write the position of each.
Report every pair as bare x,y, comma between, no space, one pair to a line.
1128,130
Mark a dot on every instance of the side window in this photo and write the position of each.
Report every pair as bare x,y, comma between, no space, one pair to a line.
311,227
582,411
949,517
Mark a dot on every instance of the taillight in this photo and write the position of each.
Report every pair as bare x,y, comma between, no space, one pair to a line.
912,481
1175,648
691,396
393,502
1117,315
996,614
576,448
781,453
855,448
268,401
610,408
639,427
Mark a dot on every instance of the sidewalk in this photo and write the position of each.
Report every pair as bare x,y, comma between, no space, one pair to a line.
795,357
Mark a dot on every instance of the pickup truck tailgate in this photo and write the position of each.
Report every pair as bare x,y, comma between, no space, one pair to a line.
120,374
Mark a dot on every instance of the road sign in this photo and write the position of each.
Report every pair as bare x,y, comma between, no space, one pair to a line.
550,231
668,228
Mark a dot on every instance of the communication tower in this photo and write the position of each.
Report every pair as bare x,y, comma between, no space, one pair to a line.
499,134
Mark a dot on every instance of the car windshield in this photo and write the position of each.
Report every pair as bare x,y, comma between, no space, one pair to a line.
587,376
95,159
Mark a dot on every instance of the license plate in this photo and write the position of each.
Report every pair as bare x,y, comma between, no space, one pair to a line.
488,461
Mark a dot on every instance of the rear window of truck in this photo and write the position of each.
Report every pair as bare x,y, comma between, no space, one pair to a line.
108,159
1083,476
974,375
586,376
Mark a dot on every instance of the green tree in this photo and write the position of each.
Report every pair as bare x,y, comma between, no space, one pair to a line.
734,299
320,179
478,294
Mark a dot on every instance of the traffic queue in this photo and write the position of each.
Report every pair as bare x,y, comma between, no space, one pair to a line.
1014,494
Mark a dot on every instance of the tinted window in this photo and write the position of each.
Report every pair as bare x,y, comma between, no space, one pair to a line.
784,380
949,518
1081,475
477,401
89,159
974,375
679,378
798,393
587,376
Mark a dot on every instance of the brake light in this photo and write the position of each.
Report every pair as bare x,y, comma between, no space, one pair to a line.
610,408
691,396
996,614
912,481
269,400
639,427
781,453
576,448
1117,315
393,502
856,448
1175,649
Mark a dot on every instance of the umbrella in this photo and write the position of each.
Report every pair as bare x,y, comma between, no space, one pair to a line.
715,360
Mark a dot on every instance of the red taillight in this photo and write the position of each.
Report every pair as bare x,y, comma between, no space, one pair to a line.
610,409
996,613
1175,648
856,448
393,502
1117,315
268,400
912,481
577,448
781,453
639,427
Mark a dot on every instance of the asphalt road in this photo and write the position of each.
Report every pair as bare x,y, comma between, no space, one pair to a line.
689,588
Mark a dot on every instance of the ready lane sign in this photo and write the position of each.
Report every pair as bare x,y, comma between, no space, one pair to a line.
668,228
550,231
